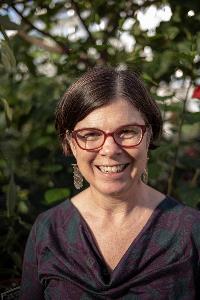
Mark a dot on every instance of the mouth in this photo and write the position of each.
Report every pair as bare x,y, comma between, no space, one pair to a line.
112,169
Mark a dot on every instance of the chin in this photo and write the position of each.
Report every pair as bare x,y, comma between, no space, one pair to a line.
113,190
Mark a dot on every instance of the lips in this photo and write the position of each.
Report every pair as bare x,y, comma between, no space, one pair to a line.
112,169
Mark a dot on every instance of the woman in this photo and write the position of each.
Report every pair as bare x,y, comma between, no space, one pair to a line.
119,238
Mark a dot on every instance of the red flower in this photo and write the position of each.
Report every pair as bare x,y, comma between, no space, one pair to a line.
196,92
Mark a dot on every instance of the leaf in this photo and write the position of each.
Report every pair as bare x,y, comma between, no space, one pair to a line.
189,196
7,57
23,207
8,111
6,62
54,195
192,117
4,34
198,41
147,78
163,98
11,196
7,24
172,32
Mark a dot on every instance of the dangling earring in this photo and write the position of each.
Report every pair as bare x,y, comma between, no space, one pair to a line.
78,179
145,176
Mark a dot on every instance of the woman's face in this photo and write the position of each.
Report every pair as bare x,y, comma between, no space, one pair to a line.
92,165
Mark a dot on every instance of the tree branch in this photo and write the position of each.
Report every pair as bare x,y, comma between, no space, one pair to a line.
61,45
77,10
40,43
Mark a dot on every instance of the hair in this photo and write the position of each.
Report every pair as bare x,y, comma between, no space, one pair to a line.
98,87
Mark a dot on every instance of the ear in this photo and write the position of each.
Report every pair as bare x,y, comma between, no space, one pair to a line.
149,136
70,145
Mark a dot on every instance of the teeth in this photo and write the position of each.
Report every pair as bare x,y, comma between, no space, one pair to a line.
113,169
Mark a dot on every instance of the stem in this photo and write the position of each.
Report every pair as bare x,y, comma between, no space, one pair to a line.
195,177
64,48
172,173
39,42
77,10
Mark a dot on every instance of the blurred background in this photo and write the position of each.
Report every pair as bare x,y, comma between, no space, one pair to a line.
45,46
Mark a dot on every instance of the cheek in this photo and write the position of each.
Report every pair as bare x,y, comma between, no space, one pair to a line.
137,153
85,164
84,158
139,157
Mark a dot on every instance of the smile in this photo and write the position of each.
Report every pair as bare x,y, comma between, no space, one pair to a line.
112,169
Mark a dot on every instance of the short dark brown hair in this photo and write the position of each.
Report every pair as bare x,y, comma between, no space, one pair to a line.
96,88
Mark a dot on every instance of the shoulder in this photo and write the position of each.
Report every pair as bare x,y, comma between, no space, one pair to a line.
191,221
53,219
181,210
186,218
55,212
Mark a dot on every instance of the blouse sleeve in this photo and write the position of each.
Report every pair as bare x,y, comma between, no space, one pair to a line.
31,288
196,243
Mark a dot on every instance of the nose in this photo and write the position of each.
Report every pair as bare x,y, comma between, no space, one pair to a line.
110,147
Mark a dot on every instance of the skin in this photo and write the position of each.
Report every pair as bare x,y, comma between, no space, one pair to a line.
119,193
117,205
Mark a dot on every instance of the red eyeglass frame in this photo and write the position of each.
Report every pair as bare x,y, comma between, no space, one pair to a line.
74,135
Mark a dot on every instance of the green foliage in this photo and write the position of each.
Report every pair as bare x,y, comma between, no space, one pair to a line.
37,65
54,195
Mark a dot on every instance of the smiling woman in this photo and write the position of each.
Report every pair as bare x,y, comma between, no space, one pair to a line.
115,161
119,238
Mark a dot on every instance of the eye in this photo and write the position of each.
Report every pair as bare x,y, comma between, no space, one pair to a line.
129,132
89,135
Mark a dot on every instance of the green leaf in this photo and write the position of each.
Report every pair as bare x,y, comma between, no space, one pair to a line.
54,195
189,196
8,111
23,207
7,57
192,117
11,196
147,78
6,62
198,41
163,98
172,32
7,24
4,34
184,47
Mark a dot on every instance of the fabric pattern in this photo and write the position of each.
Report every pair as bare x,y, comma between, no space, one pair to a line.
62,261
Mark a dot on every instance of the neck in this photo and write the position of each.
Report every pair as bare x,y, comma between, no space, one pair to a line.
119,205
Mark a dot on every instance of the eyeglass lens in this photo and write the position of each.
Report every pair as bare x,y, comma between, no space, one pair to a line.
93,138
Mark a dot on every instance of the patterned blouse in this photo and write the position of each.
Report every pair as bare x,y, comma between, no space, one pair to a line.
62,260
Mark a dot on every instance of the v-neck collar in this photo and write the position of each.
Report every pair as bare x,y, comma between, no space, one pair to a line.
108,275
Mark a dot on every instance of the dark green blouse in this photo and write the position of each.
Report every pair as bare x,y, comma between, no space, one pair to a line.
62,260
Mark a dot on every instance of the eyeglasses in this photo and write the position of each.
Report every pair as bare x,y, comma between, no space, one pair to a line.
127,136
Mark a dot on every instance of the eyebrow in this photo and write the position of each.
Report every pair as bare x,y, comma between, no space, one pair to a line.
95,128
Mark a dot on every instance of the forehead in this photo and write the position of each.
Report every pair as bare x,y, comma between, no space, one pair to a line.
117,113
